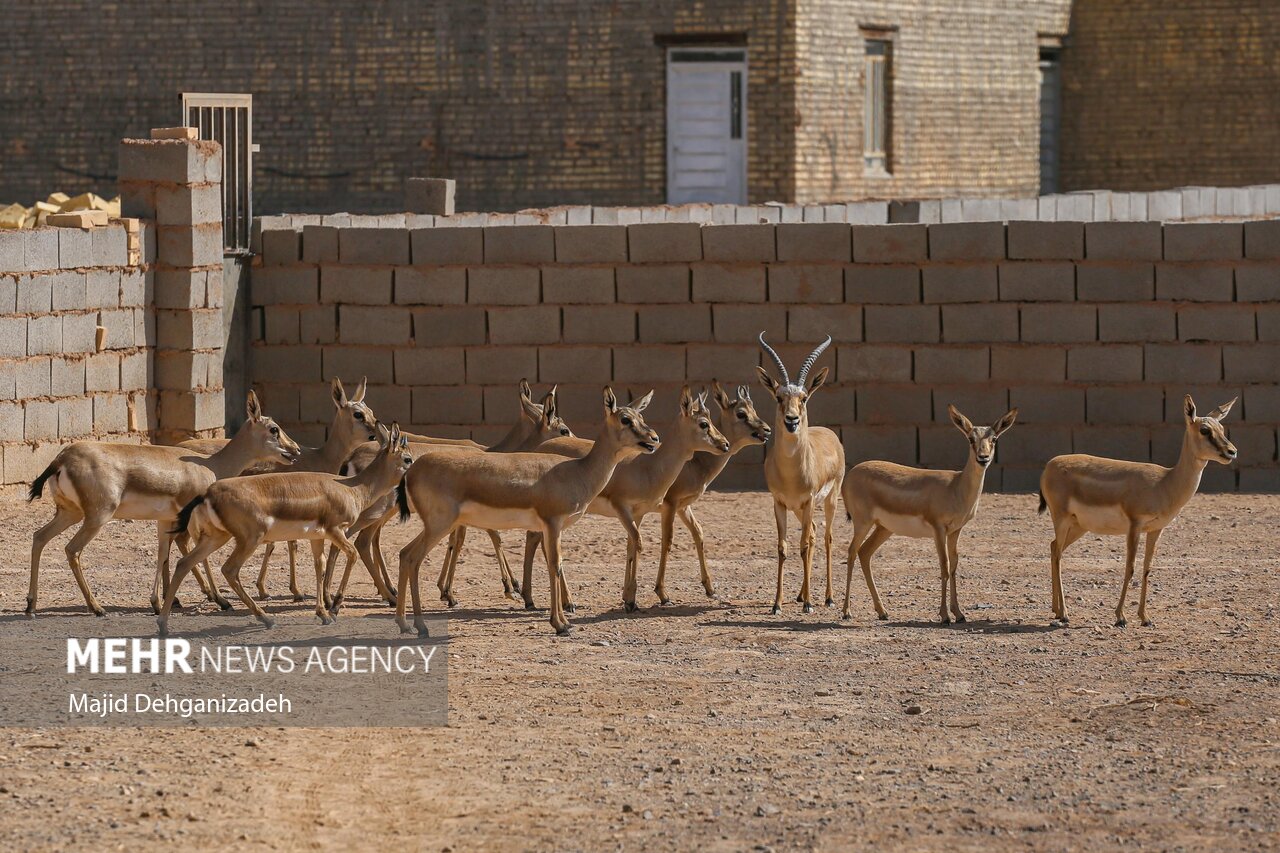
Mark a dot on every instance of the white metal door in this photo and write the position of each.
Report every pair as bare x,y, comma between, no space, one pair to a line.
707,125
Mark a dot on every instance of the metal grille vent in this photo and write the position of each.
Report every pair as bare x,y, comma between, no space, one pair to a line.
228,119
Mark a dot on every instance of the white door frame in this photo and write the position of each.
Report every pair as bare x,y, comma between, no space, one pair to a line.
729,65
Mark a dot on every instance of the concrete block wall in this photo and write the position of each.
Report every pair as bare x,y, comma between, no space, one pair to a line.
1094,330
77,336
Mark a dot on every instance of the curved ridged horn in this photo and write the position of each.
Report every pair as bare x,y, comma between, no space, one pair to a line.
782,368
813,356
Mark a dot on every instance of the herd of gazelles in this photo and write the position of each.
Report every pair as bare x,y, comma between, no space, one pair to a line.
261,487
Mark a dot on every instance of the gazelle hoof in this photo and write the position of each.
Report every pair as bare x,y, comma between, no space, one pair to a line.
515,587
31,608
883,617
846,616
405,629
99,612
262,595
1147,623
223,604
162,629
629,606
451,601
297,596
666,602
960,617
326,620
571,608
529,605
776,611
808,608
1121,623
830,601
711,593
564,630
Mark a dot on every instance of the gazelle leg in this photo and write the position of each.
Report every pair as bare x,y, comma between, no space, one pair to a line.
375,551
293,570
509,585
807,541
231,571
551,541
940,540
780,519
164,539
566,597
338,542
829,516
83,536
1064,534
205,579
953,557
262,573
879,535
859,535
322,592
668,516
204,546
1130,556
1153,536
411,556
532,540
445,581
695,530
63,518
633,557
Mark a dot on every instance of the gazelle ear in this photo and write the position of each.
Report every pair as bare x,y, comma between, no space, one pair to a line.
394,438
962,423
723,400
1221,412
339,393
252,407
526,393
360,389
643,403
610,399
1189,408
1005,422
744,393
702,400
819,380
531,410
686,401
766,380
384,435
549,406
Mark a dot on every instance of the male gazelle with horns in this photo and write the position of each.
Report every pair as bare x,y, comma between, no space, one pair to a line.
1089,494
883,499
802,466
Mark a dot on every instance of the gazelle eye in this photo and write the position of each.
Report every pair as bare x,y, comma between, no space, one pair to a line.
1204,430
359,416
626,421
742,416
704,424
275,430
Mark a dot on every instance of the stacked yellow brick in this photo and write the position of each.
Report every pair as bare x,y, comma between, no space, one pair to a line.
17,216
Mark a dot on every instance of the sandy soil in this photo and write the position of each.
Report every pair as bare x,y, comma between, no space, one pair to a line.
713,724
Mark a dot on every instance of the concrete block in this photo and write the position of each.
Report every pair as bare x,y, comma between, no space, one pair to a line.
1125,404
1037,281
33,378
283,246
810,323
967,241
1124,241
1120,363
79,332
376,364
137,288
979,323
961,283
373,246
980,209
44,335
1183,363
170,161
872,363
1268,323
12,419
578,284
824,241
741,243
34,294
930,211
1217,323
447,245
501,365
1132,443
1164,206
8,294
952,365
1251,363
66,377
1203,241
24,462
144,327
982,403
1194,283
195,329
448,405
732,364
901,212
119,326
181,288
319,244
1258,282
728,283
665,242
291,364
887,244
136,373
885,285
433,366
1255,443
183,370
102,289
1141,323
519,244
647,366
192,205
449,326
1259,480
890,443
430,285
805,283
538,324
661,324
361,324
1074,207
317,324
351,285
504,285
893,404
430,195
40,249
13,250
111,414
1039,404
739,324
591,244
40,420
1059,323
575,364
102,372
942,448
1262,239
1115,282
67,290
189,246
75,248
1046,240
606,324
902,323
654,283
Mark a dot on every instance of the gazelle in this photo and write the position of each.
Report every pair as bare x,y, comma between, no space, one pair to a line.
802,466
883,498
638,486
741,427
279,507
1090,494
97,482
515,491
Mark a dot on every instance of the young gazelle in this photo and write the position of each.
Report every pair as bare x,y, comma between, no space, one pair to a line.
1089,494
514,491
741,427
882,499
98,481
279,507
802,467
639,485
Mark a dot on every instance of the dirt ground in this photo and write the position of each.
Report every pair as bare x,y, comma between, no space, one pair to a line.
715,725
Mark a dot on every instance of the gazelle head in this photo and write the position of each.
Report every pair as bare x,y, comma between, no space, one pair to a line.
543,417
625,424
1206,434
793,397
267,434
982,440
738,419
353,417
696,426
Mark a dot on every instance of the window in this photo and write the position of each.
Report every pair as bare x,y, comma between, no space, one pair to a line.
1050,117
876,112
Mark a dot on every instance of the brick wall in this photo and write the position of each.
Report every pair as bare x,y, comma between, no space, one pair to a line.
1095,330
1158,93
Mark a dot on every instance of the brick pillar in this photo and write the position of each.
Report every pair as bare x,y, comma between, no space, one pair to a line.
178,183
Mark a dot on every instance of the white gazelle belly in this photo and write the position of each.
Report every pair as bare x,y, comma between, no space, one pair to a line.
139,506
280,530
1110,520
479,515
905,525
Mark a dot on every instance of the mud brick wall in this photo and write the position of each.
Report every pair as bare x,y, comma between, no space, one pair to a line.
58,382
1094,330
